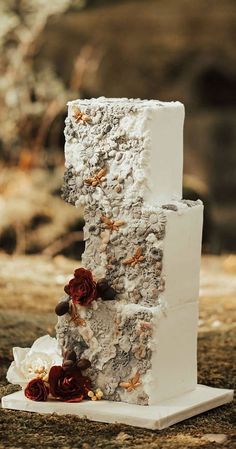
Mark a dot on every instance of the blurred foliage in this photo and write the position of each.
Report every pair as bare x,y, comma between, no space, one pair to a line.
31,95
52,51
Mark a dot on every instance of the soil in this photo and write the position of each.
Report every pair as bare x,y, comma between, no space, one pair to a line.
31,286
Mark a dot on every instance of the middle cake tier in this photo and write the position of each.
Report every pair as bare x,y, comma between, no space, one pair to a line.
146,254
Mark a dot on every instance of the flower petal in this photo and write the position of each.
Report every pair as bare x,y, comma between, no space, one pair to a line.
19,354
15,376
45,344
57,360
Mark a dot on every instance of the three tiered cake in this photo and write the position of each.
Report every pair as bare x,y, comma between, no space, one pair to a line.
124,164
127,326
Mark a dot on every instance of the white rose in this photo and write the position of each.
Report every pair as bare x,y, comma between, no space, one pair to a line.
33,362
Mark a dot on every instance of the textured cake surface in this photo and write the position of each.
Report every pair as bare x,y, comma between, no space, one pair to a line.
147,249
143,141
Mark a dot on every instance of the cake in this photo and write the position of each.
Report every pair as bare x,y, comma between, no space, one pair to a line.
124,162
127,324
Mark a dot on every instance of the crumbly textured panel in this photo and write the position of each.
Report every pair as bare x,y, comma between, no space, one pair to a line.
116,340
102,145
114,254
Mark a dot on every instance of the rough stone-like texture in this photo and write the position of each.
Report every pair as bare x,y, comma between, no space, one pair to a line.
19,326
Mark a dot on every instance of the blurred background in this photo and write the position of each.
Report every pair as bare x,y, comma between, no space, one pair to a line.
55,51
52,51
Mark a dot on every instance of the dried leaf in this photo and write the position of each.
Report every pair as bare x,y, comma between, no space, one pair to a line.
132,383
134,259
105,220
119,223
128,261
96,179
79,116
136,378
124,384
111,224
138,252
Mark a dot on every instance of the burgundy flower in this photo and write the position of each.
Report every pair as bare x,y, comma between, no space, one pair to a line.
82,288
69,385
37,390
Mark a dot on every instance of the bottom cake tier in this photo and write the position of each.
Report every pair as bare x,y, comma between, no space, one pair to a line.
139,355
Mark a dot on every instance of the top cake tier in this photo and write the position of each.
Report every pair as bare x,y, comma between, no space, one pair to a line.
136,142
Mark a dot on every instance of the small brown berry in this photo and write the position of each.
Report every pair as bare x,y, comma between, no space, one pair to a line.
83,364
68,364
62,308
108,294
102,285
70,355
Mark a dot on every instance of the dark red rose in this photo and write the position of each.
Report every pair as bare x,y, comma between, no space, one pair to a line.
68,385
82,288
37,390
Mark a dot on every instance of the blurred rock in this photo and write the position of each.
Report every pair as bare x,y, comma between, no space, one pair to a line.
34,218
219,438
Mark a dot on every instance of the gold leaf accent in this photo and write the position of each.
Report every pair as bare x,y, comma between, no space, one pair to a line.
79,116
136,258
96,178
75,317
112,224
132,383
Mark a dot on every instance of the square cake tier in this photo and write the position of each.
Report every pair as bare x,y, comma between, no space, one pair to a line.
137,145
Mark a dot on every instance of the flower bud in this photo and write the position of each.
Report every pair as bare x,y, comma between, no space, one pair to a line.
83,364
70,355
108,294
62,308
68,364
102,285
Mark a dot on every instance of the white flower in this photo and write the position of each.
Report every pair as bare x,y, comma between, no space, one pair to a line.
33,362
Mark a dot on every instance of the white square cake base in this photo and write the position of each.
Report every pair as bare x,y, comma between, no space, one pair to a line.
153,417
